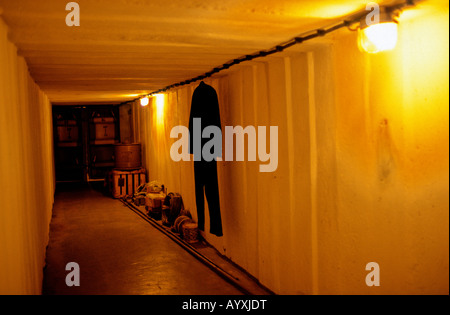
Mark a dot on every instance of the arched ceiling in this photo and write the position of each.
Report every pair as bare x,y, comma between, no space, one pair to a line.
124,48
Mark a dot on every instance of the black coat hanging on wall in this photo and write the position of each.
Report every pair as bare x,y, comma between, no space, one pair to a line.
205,105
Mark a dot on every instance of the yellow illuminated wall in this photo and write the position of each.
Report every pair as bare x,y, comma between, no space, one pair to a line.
392,137
363,163
27,174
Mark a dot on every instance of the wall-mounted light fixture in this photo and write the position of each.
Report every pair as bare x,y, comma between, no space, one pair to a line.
145,101
378,32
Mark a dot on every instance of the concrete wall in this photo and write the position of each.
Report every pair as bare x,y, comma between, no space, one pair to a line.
363,163
27,174
391,198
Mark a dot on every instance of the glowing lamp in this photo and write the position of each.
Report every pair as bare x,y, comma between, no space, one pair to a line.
379,35
144,101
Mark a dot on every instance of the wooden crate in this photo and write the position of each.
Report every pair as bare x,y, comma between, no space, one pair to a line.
125,183
67,131
103,131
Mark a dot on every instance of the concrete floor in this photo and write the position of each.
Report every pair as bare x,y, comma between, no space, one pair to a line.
118,252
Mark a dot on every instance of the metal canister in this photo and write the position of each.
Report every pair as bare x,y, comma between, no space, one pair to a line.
127,156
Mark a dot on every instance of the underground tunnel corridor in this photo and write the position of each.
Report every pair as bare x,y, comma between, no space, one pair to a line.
301,145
